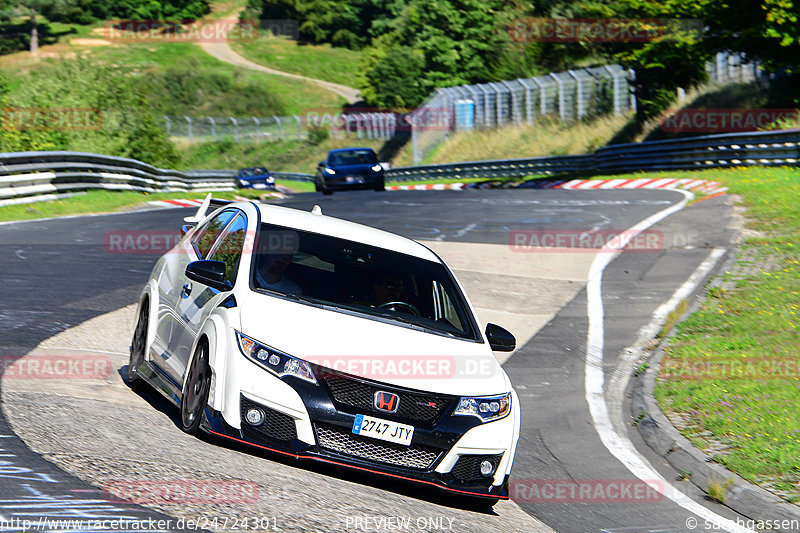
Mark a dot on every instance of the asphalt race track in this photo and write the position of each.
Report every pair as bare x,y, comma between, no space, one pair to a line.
59,274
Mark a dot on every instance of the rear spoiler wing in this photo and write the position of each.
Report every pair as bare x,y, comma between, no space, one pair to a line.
201,211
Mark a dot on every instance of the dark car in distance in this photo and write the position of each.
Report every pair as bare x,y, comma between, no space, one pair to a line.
349,168
255,178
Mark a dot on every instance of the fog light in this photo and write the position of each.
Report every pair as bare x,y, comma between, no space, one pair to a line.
274,359
262,355
255,417
487,468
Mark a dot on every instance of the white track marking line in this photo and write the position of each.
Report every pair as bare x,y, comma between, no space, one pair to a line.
618,444
466,229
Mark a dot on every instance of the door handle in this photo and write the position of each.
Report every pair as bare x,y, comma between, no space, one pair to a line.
186,291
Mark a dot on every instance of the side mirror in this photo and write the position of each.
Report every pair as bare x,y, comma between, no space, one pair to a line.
211,273
186,228
321,164
500,339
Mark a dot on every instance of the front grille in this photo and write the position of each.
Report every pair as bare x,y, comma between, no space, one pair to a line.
468,467
414,407
276,425
339,440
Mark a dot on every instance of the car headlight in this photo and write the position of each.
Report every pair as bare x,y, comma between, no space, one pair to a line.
487,408
377,168
329,171
244,182
277,362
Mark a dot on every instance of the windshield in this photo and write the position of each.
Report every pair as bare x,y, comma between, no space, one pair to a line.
353,157
360,278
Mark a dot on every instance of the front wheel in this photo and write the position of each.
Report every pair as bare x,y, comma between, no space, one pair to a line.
381,186
195,392
138,346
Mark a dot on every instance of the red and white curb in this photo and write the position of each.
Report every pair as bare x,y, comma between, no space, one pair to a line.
176,203
694,185
429,187
197,202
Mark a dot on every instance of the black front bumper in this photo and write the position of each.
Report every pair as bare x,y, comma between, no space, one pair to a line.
341,184
332,422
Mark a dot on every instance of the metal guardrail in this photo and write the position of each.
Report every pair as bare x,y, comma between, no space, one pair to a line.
27,174
768,148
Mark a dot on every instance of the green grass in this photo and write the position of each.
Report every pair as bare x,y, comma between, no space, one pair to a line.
752,412
296,96
286,156
93,202
543,138
323,62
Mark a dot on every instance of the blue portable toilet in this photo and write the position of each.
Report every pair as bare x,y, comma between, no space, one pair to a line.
465,114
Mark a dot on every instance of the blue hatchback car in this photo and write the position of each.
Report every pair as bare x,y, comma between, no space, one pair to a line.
349,168
255,178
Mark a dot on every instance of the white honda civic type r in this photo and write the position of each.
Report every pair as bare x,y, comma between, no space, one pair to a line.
317,338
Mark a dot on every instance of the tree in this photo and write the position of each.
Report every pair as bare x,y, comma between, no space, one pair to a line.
32,9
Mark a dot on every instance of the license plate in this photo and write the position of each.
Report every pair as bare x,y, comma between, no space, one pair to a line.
387,430
355,179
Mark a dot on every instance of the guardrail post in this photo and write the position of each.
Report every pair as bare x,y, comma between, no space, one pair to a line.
631,90
486,121
414,138
480,113
562,111
299,128
258,127
615,90
280,126
579,95
213,128
542,97
528,100
235,129
189,127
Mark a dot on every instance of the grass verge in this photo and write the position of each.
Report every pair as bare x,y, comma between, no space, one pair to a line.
544,138
286,156
731,372
93,202
323,62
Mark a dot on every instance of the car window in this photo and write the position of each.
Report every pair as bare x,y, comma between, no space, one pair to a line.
230,246
444,310
351,276
207,235
354,157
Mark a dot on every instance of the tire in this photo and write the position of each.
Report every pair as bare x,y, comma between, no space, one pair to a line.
195,393
317,186
138,346
381,186
327,192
